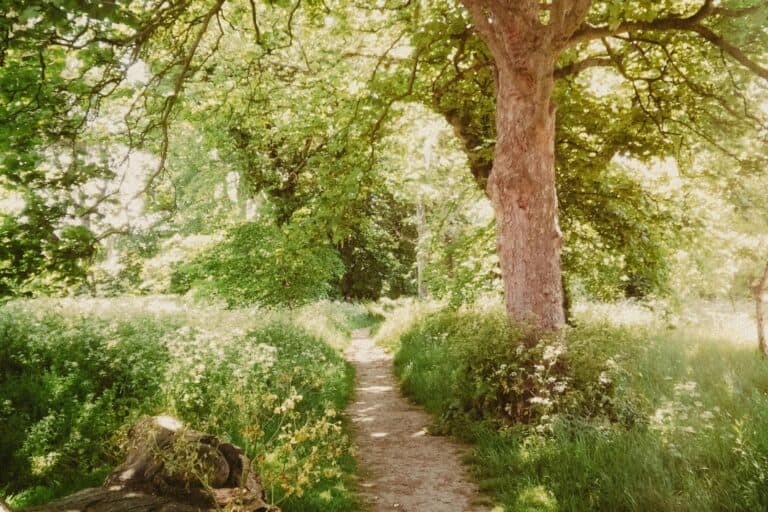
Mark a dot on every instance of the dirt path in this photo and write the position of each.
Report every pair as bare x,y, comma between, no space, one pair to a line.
403,468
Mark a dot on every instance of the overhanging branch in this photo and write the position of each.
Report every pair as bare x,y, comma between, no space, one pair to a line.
590,32
693,23
170,102
577,67
735,52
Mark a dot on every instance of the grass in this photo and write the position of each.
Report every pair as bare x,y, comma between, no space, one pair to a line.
629,418
75,374
398,316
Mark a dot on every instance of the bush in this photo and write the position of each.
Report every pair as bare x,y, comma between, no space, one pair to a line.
621,419
277,391
262,264
398,317
70,389
66,388
505,373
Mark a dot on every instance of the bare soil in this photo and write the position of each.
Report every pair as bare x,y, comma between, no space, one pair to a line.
402,466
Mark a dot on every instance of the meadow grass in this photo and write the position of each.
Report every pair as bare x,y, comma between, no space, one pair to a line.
76,373
619,418
398,317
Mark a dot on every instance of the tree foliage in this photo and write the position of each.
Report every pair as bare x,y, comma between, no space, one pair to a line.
298,100
263,264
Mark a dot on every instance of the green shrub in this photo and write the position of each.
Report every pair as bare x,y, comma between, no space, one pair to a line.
263,264
398,316
647,420
278,392
71,387
66,387
505,373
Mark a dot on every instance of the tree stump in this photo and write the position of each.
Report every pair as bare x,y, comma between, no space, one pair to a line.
172,469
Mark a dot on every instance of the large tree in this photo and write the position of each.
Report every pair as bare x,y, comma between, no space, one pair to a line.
233,59
526,38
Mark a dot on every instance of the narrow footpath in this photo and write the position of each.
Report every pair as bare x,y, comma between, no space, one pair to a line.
402,467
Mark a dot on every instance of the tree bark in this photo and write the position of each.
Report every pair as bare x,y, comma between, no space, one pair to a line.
104,500
758,291
525,37
522,191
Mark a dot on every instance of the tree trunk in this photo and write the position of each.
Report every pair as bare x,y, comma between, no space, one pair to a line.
525,37
421,249
522,190
758,291
104,500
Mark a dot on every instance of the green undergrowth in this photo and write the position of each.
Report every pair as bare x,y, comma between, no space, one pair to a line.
273,382
327,319
614,419
262,263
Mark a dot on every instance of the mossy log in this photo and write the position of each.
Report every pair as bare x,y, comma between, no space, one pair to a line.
169,468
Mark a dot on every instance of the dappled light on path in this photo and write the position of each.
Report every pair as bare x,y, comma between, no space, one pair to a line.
402,466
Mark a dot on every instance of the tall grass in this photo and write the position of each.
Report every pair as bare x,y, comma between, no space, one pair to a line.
74,374
621,419
334,322
399,316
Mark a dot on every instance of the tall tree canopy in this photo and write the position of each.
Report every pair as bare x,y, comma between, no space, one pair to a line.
297,98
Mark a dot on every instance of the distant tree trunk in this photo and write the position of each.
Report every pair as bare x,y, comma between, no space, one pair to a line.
421,255
758,291
347,280
567,303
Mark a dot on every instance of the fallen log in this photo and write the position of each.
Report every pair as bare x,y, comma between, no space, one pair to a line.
170,468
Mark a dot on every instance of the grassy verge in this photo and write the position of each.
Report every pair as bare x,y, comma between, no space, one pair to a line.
613,419
72,382
335,321
398,317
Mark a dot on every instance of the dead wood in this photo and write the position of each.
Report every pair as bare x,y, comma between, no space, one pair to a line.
170,468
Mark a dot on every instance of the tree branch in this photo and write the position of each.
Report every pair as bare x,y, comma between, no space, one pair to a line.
565,17
738,55
577,67
255,22
691,23
589,32
170,102
481,13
